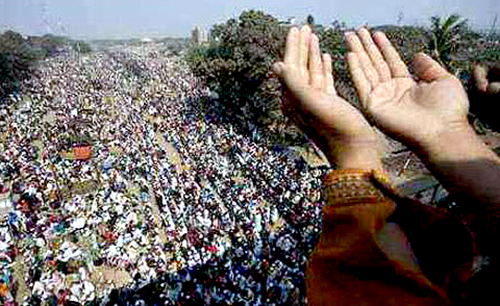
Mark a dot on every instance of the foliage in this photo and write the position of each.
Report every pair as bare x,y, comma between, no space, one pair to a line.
408,40
16,58
332,41
445,37
462,48
52,45
48,45
175,45
236,65
485,50
18,55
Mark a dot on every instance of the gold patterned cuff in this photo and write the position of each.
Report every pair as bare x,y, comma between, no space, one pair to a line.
351,186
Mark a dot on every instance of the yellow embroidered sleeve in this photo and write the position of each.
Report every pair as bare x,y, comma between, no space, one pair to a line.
350,187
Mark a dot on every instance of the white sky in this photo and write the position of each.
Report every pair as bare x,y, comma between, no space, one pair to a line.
138,18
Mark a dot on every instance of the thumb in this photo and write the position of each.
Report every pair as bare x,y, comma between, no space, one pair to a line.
494,88
428,69
279,68
480,77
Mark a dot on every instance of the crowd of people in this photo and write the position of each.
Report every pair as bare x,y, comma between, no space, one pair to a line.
172,207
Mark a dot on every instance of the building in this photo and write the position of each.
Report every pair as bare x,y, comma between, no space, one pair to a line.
199,35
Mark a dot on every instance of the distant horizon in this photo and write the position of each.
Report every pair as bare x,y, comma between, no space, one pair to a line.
159,37
122,20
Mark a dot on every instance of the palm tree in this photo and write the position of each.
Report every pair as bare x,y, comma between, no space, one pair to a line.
445,35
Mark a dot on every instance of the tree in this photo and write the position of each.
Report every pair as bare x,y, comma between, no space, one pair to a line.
16,60
18,55
236,65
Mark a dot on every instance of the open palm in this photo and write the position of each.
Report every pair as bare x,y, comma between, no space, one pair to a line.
311,99
407,110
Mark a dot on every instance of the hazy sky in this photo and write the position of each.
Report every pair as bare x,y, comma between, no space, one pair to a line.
138,18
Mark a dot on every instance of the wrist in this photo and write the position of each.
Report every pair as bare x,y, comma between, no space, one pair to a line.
457,143
354,154
465,166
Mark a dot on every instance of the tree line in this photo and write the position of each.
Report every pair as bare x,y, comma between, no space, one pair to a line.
18,56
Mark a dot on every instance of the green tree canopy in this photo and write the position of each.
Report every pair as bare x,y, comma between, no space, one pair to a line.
236,64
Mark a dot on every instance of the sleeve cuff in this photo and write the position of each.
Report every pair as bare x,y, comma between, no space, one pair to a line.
352,186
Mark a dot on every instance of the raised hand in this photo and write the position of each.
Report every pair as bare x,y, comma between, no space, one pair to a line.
482,80
341,131
414,112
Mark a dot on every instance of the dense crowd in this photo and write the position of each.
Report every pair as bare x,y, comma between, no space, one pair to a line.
173,207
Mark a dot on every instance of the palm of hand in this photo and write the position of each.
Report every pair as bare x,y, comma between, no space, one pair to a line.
338,128
401,106
325,114
406,110
311,100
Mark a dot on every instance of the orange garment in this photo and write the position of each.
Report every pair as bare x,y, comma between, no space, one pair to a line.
83,152
373,251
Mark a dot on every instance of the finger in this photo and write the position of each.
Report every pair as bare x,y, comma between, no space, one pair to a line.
374,53
493,88
360,81
364,61
480,77
305,34
327,75
315,65
428,69
396,65
278,68
292,46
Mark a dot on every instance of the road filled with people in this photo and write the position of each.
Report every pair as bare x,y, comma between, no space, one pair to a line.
118,188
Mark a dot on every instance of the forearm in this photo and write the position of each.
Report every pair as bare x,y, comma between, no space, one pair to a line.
353,154
464,165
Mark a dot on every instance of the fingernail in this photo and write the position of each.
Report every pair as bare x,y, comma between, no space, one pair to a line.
294,30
